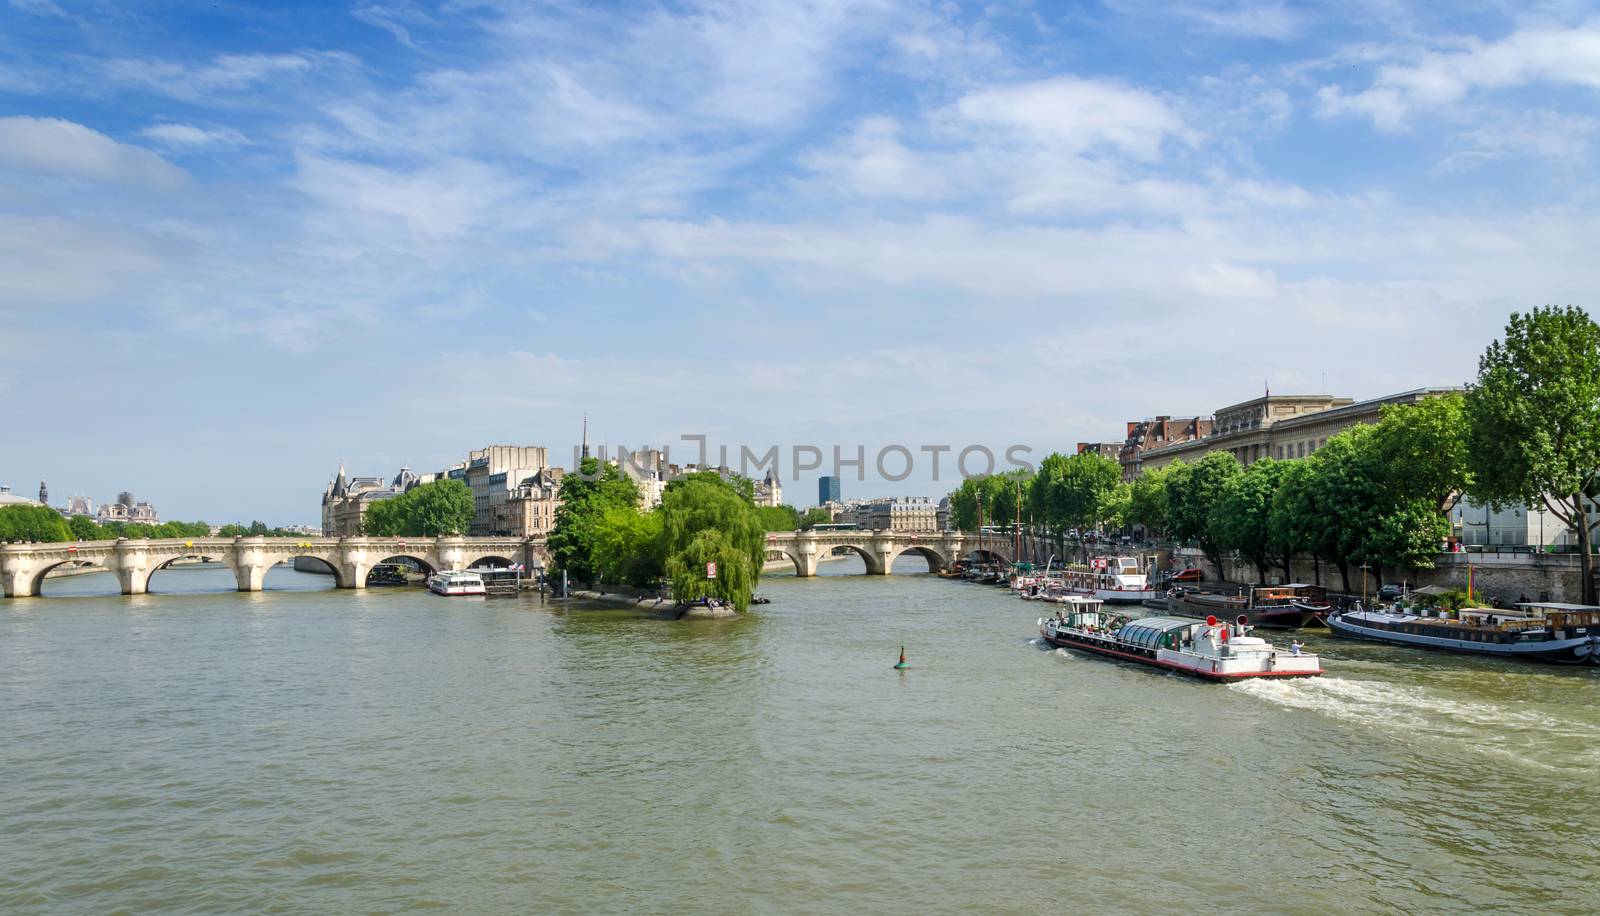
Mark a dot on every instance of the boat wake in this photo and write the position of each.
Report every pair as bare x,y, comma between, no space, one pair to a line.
1417,711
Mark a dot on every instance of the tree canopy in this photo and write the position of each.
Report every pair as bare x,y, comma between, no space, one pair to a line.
1241,518
585,498
440,507
1193,492
40,524
1534,420
704,520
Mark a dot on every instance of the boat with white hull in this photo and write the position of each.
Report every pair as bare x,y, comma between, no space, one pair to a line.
456,584
1538,631
1114,580
1210,650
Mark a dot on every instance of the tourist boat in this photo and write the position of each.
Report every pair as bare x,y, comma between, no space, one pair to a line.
1115,580
1272,606
454,584
1542,631
1210,650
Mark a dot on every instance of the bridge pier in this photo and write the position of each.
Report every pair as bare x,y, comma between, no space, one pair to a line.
18,582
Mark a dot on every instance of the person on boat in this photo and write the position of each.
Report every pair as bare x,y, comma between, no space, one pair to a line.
1295,647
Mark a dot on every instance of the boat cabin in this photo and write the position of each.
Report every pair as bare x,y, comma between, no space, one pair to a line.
1566,618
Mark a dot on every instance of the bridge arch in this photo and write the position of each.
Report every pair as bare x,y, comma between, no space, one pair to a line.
161,564
873,562
937,561
491,561
36,583
799,567
988,555
330,563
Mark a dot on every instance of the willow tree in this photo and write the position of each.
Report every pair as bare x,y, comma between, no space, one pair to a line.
1534,431
706,520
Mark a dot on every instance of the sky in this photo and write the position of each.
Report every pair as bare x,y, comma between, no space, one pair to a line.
243,243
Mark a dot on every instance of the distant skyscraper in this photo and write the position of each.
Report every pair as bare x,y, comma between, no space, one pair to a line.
827,490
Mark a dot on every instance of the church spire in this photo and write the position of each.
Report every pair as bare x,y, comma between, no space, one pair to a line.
586,434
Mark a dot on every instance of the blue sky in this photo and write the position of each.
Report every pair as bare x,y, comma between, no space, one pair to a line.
241,243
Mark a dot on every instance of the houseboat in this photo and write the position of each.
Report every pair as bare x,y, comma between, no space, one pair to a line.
456,584
1115,580
1210,650
1272,606
1541,630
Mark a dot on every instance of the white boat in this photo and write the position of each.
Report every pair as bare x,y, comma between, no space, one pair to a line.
453,584
1114,580
1210,650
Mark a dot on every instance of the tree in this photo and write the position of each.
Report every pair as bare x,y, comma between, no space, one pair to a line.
1297,523
1192,493
706,519
83,528
1008,497
627,546
1115,504
779,518
1534,421
1422,448
816,515
38,524
585,497
965,502
1147,500
440,507
1241,519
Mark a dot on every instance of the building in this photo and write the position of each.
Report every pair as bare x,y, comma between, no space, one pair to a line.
894,513
492,472
528,509
346,499
769,492
1103,449
1279,426
78,505
1513,526
8,498
942,515
126,511
1158,432
649,471
828,490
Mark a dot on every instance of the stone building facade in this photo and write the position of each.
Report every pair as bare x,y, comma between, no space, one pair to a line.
1158,432
1279,426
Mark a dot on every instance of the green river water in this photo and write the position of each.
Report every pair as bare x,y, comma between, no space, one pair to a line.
317,751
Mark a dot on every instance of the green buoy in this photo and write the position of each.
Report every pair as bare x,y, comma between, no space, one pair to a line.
901,664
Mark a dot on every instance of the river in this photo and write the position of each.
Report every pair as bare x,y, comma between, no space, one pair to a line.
318,751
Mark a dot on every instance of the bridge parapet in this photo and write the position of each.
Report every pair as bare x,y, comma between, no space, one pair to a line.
23,566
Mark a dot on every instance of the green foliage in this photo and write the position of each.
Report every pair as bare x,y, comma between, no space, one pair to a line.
1296,520
40,524
1079,491
1534,412
779,518
736,572
440,507
585,498
628,546
706,519
814,516
1115,505
1193,492
1008,497
1241,519
84,528
1147,500
1422,449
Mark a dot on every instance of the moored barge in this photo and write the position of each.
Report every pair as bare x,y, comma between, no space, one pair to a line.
1272,606
1210,650
1539,631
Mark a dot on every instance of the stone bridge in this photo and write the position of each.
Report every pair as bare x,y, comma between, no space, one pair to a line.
23,566
879,549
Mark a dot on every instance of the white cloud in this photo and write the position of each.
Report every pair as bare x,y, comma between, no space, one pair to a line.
873,162
225,74
188,136
1441,79
1073,114
1243,18
51,146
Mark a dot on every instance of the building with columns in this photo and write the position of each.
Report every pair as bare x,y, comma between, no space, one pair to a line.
1280,426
